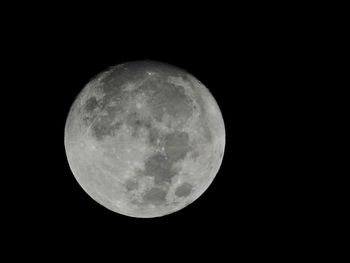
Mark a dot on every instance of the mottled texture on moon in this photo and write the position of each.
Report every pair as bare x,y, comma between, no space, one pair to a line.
144,139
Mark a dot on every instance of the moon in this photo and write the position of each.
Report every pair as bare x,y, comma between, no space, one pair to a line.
144,138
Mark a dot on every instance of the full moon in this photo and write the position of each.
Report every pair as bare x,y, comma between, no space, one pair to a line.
144,139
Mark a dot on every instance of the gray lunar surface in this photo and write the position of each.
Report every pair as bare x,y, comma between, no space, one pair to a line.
144,139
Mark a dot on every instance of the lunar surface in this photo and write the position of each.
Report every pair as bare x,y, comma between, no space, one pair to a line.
144,139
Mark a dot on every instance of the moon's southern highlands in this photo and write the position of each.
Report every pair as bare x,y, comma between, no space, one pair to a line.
144,139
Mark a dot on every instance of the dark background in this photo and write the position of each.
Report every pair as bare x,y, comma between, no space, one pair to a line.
246,59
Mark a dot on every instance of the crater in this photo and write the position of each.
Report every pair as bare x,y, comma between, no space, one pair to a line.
113,81
105,127
165,97
90,110
176,145
207,134
155,196
160,168
133,119
194,154
104,122
137,122
206,131
153,136
100,130
131,185
119,75
183,190
91,104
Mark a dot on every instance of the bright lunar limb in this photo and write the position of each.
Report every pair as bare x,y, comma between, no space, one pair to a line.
144,139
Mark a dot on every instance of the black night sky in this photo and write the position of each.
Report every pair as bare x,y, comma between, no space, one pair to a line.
240,60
